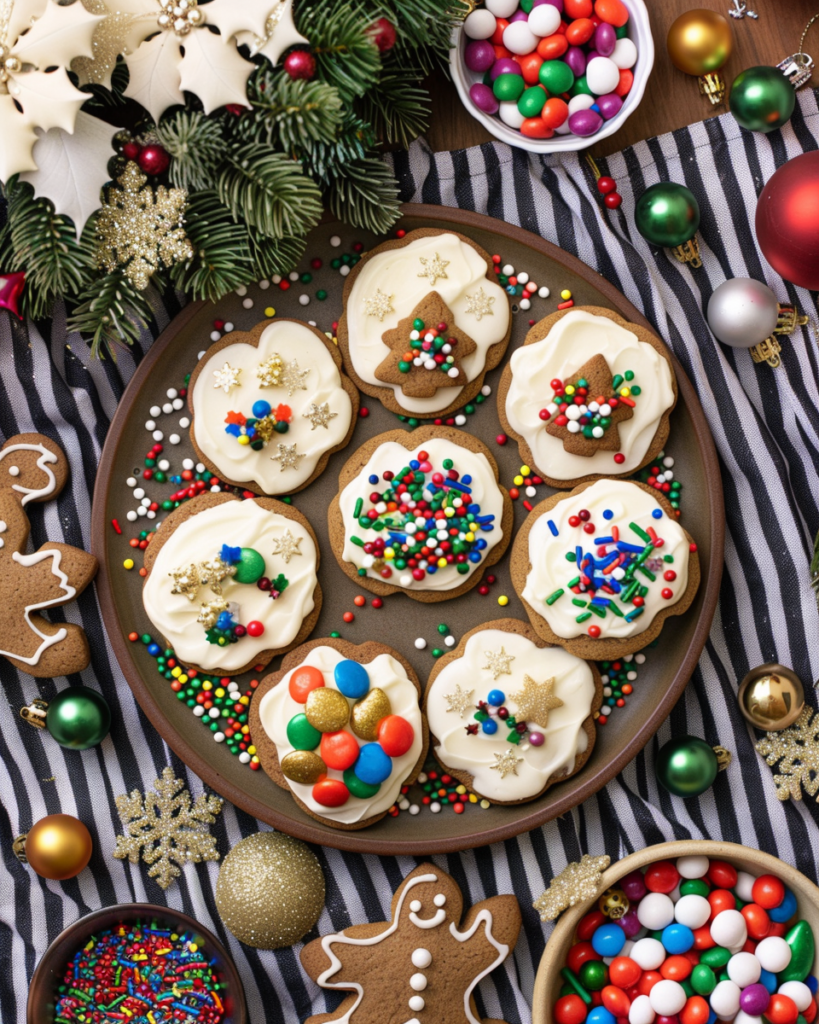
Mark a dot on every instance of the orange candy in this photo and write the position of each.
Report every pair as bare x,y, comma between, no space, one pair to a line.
676,968
577,9
552,47
570,1010
339,750
614,12
500,27
695,1011
536,128
396,735
580,31
555,112
501,51
624,972
625,83
756,920
781,1010
529,67
617,1002
648,981
702,938
768,892
721,899
330,792
303,681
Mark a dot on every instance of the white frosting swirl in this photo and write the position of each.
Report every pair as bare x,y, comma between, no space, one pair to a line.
551,571
239,524
571,342
395,272
388,674
211,405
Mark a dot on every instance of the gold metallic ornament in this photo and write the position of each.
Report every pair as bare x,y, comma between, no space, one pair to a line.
303,766
368,712
58,847
771,697
614,904
327,710
767,351
35,713
699,43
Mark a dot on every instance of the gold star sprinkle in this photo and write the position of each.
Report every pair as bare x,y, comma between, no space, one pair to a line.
506,763
498,663
480,304
287,546
288,457
575,883
227,378
319,415
535,701
213,571
460,700
379,305
434,268
210,612
270,371
186,582
293,378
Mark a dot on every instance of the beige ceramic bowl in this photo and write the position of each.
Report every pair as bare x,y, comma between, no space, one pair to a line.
548,981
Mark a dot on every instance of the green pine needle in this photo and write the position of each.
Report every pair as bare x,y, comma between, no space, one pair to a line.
398,108
275,255
112,312
221,260
366,196
341,41
291,114
196,145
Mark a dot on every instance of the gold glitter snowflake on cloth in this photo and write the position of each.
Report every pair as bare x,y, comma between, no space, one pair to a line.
167,828
434,268
293,378
480,304
227,378
796,749
213,572
186,581
507,762
576,882
535,701
270,371
460,700
499,662
319,415
139,228
379,305
288,457
287,546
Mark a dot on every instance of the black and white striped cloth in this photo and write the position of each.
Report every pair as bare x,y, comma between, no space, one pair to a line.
766,427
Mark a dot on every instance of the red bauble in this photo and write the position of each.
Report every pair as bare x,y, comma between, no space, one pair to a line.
131,150
154,159
300,64
11,287
383,33
787,221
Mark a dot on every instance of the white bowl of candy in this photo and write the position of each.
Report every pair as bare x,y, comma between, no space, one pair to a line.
553,75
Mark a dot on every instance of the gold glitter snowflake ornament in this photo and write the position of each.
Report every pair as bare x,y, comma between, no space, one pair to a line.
575,883
379,305
287,457
796,749
535,701
270,371
186,581
319,415
293,378
287,546
460,700
166,828
507,762
227,378
480,304
498,663
434,268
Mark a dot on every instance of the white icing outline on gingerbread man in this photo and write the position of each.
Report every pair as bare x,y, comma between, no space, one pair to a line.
31,493
48,639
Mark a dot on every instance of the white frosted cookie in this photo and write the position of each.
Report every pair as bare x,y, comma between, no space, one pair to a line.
270,406
588,394
444,280
510,715
601,568
232,583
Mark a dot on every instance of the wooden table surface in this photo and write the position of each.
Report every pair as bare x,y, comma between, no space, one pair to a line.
672,99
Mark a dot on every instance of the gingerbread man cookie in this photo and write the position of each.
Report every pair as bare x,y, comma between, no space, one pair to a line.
420,966
34,468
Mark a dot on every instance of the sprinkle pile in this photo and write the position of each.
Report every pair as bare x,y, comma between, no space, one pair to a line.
440,790
430,348
579,412
258,429
661,477
140,974
618,678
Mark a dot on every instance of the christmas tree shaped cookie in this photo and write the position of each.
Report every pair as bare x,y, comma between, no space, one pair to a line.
589,408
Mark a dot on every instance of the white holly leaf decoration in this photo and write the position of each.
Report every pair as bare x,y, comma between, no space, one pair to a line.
48,98
73,168
59,35
21,16
280,33
18,140
231,18
216,73
154,69
108,43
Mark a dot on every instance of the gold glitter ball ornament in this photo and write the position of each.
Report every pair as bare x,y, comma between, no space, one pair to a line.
771,697
614,904
270,890
327,710
368,712
303,766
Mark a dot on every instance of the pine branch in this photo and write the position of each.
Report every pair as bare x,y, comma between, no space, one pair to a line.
269,191
342,44
397,107
196,145
222,259
423,27
275,255
355,140
366,196
290,114
112,312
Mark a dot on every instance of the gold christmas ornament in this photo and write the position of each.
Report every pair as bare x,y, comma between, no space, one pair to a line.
58,847
796,751
327,710
699,43
270,890
368,712
576,882
614,904
771,697
303,766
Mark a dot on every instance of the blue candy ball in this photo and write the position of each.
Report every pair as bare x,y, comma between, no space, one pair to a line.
352,679
608,514
373,765
261,409
154,650
812,983
677,939
657,513
496,698
608,940
786,909
600,1015
490,726
769,980
415,464
372,478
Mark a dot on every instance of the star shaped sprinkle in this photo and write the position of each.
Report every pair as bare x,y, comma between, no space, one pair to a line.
498,662
186,581
209,613
506,763
460,700
480,304
434,268
575,883
227,378
287,546
379,305
292,377
288,457
319,415
535,701
213,571
270,371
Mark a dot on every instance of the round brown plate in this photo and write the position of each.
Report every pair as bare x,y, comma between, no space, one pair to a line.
174,354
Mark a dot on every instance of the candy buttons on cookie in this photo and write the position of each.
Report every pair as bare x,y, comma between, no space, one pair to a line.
373,765
304,680
352,679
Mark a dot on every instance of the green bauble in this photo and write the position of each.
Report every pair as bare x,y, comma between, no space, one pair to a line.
762,99
78,718
667,214
686,766
250,566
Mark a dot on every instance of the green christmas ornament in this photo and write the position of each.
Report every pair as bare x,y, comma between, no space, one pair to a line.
762,99
687,766
77,718
803,951
250,566
668,214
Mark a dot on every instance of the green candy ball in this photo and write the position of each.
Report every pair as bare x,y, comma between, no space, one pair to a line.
78,718
555,76
363,790
686,766
301,735
281,426
703,980
667,214
581,87
508,87
532,101
717,956
762,99
250,566
694,887
594,975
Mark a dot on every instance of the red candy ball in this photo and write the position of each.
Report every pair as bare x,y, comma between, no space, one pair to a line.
579,954
255,628
695,1011
330,792
702,938
648,981
303,681
768,892
615,1000
756,921
624,972
722,874
339,750
613,201
153,159
396,735
781,1010
721,899
661,877
605,184
570,1010
676,968
589,924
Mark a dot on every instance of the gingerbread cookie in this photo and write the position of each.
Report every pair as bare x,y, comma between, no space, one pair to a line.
232,583
339,726
587,395
34,468
601,568
423,322
270,406
420,513
509,714
422,965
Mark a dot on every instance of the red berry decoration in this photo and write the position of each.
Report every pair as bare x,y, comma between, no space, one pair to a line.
605,184
300,64
131,150
613,200
153,159
383,33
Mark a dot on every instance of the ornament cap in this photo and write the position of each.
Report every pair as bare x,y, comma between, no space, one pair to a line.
767,351
771,697
18,848
35,713
712,85
688,252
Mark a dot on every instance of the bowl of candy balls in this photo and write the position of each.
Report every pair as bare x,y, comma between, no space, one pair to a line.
553,75
689,932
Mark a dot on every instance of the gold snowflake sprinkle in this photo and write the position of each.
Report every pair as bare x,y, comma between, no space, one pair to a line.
460,700
535,701
797,751
287,546
319,415
270,371
379,305
507,762
213,572
293,378
227,378
186,582
480,304
434,268
210,612
576,882
288,457
499,662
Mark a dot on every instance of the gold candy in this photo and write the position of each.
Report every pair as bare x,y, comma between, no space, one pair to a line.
303,766
327,710
614,904
368,712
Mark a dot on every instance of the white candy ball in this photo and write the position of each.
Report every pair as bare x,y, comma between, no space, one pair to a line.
745,1018
602,75
509,114
773,953
725,999
480,24
692,910
799,992
728,929
544,20
624,54
502,8
693,867
674,895
640,1011
580,102
744,886
520,39
668,997
648,953
744,969
655,911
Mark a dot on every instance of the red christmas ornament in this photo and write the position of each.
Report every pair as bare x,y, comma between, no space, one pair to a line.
131,150
11,288
300,64
383,33
154,159
787,221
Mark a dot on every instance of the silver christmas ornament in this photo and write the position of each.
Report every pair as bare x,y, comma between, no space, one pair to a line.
742,312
